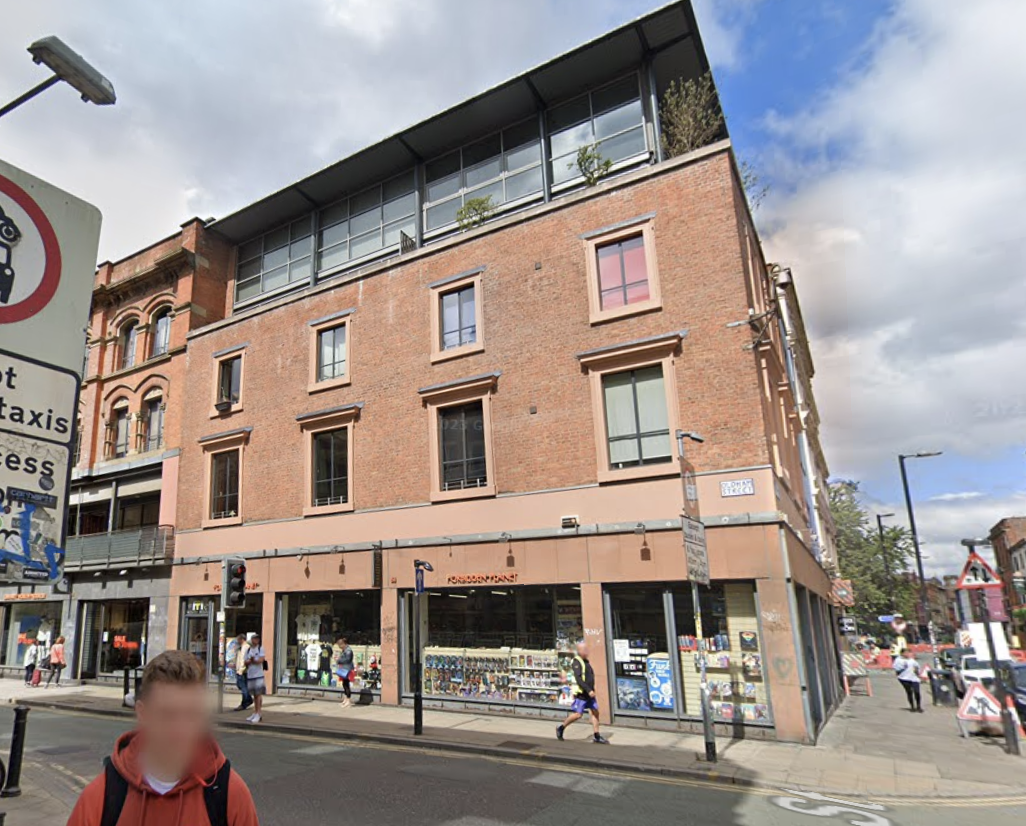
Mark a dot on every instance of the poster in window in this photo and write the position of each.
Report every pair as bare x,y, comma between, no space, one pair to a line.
660,682
749,641
632,694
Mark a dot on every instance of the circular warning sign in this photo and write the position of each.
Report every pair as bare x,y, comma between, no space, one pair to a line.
30,256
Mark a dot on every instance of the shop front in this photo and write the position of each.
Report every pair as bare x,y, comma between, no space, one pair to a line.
28,617
310,627
301,604
656,649
502,644
120,620
199,630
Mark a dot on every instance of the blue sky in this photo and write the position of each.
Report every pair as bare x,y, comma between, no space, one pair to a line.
886,130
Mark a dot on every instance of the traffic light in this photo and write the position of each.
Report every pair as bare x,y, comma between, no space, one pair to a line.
233,589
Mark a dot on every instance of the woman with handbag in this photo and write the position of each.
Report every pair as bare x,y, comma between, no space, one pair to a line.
57,663
344,669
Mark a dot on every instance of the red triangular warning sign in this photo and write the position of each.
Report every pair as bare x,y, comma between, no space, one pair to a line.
977,573
979,705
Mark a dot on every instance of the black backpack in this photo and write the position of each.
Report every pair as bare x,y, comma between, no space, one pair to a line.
115,790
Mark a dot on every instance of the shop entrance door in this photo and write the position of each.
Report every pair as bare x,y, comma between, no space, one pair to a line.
89,645
197,630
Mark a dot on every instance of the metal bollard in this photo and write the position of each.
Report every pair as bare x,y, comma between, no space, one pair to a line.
13,785
124,692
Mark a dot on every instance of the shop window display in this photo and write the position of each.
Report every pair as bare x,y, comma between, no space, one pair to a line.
501,645
734,664
644,666
25,623
314,623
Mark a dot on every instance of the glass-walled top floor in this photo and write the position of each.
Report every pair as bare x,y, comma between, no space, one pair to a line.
525,163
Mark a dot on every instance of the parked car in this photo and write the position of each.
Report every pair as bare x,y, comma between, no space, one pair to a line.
1019,683
972,670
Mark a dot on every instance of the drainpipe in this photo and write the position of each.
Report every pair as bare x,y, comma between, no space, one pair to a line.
113,509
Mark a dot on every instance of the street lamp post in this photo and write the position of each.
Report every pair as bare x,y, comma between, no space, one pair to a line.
69,66
888,573
924,607
419,567
1008,721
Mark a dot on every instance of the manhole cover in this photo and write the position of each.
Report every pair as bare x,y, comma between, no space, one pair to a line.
516,745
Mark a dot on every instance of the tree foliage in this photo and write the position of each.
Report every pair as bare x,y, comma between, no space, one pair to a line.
475,212
690,115
751,182
590,163
876,573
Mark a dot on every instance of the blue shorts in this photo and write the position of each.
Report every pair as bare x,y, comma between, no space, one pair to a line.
583,704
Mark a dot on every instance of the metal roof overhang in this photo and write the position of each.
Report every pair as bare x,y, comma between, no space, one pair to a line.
668,37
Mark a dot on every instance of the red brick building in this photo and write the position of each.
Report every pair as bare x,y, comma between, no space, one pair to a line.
449,348
113,605
1009,540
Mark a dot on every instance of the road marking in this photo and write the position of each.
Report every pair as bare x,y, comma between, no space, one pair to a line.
854,813
642,777
320,750
600,787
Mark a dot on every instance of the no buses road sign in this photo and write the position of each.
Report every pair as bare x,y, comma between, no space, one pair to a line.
48,243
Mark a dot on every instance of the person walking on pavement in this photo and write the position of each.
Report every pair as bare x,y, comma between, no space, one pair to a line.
582,678
31,655
256,665
910,677
344,669
241,681
57,663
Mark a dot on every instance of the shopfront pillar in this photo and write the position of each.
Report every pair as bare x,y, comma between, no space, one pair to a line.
782,661
390,670
268,634
593,618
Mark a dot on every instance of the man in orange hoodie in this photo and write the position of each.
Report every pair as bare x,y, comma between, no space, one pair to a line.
169,771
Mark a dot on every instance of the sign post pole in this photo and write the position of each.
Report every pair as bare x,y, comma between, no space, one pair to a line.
979,576
697,557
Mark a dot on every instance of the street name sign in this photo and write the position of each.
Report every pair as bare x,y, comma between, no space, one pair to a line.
695,550
48,243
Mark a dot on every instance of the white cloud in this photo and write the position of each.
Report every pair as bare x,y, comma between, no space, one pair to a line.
723,24
221,103
959,496
900,209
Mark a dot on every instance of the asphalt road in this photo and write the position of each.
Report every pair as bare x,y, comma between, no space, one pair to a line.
319,782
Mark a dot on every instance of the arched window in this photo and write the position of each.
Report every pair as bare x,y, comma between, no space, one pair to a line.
127,344
160,332
119,428
153,417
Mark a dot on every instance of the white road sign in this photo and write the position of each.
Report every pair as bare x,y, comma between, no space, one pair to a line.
695,550
48,243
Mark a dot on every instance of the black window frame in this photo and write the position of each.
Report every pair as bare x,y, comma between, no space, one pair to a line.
454,417
226,498
335,374
466,333
637,435
229,380
338,479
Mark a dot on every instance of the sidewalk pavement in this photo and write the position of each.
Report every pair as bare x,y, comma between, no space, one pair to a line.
872,745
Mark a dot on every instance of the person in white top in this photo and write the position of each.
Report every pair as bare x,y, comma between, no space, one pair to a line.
256,663
910,676
31,656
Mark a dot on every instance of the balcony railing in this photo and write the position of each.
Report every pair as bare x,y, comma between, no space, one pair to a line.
143,546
